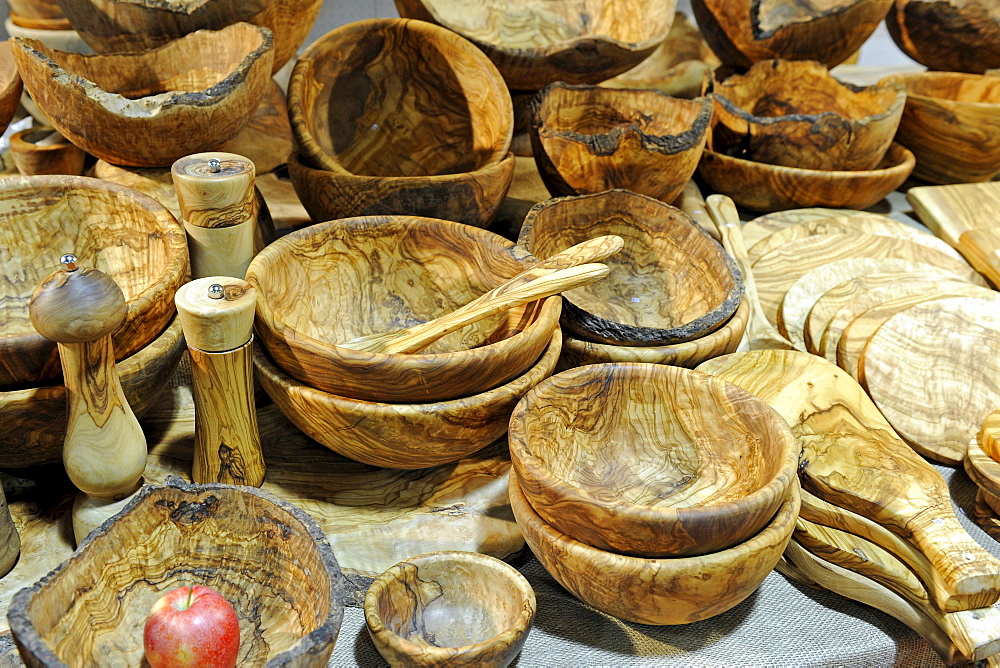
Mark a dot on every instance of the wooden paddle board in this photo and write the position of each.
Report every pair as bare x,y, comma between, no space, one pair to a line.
758,228
982,249
950,211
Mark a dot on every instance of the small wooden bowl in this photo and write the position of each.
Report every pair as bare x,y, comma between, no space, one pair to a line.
763,187
669,284
424,102
794,113
472,198
264,555
947,36
952,124
10,85
41,150
677,590
743,32
587,139
450,608
149,109
534,42
402,436
120,231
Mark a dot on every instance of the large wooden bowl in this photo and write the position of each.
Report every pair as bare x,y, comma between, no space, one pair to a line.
336,281
450,608
795,113
402,436
423,102
953,36
536,42
743,32
670,283
120,231
10,85
676,590
264,555
149,109
952,124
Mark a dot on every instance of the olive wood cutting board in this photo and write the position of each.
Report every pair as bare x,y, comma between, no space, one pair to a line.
852,458
982,249
950,211
755,230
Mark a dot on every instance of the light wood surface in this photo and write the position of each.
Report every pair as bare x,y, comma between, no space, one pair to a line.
266,139
216,321
982,469
42,150
10,85
755,230
948,36
989,435
692,202
951,211
858,331
982,249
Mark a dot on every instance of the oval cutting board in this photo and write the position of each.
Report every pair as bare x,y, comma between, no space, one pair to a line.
758,228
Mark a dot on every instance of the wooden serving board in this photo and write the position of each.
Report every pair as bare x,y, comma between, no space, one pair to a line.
950,211
755,230
982,249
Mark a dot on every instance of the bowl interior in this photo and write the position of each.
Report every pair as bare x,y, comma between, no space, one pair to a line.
593,110
953,86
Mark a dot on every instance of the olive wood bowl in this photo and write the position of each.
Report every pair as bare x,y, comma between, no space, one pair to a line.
37,13
763,187
149,109
120,231
41,150
952,124
336,281
587,139
10,85
743,32
952,36
423,102
677,590
268,558
472,197
450,608
670,283
796,114
536,42
402,436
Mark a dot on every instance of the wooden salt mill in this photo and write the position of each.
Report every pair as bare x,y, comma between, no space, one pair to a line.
105,450
216,314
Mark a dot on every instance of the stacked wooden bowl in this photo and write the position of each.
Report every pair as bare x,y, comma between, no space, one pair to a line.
982,464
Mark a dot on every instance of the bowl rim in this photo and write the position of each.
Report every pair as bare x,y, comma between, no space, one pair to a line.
489,170
904,78
900,157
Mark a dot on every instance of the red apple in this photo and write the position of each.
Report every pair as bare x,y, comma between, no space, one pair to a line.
192,626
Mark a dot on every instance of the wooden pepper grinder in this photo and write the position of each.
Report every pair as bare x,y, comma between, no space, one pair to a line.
105,450
216,313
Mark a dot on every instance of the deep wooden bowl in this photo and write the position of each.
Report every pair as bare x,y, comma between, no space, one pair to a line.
424,102
472,197
149,109
403,436
336,281
796,114
534,42
763,187
41,150
950,36
952,124
743,32
450,608
677,590
10,85
587,139
669,284
120,231
264,555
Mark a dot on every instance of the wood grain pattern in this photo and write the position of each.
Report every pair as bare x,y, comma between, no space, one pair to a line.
989,435
216,323
10,85
454,608
951,36
166,112
951,211
981,468
266,139
755,230
692,202
858,331
10,540
982,249
41,150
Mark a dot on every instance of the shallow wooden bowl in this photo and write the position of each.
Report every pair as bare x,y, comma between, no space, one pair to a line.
763,187
149,109
952,36
264,555
536,42
403,436
952,124
795,113
472,198
450,608
743,32
336,281
677,590
41,150
423,102
587,139
669,284
120,231
10,85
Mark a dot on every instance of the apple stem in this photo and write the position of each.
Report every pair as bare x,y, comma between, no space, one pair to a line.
190,594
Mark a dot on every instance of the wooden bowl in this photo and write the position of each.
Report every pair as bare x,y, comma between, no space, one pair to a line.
950,36
120,231
794,113
472,198
677,590
952,124
450,608
335,281
149,109
743,32
588,139
763,187
10,85
402,436
41,150
264,555
424,102
534,42
669,284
